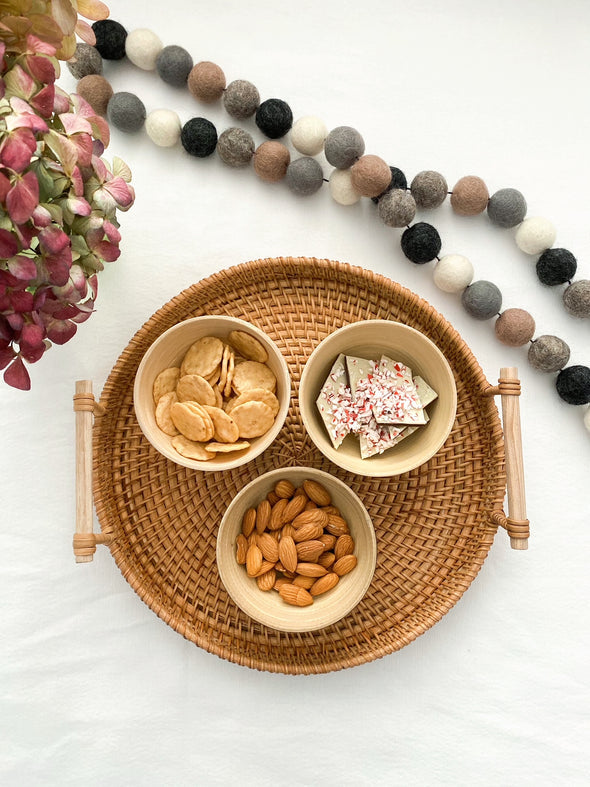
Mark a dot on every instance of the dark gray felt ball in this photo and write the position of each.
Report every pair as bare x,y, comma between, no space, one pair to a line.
482,300
110,39
304,176
87,61
429,189
235,147
548,354
576,298
274,118
507,208
343,146
556,266
126,112
573,384
174,64
241,99
421,243
397,208
199,137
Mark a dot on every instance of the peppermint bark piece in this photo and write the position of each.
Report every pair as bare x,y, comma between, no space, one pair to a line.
334,402
398,401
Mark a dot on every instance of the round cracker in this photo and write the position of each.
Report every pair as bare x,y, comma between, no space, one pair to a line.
225,448
255,395
203,357
191,422
226,430
213,378
230,374
190,449
165,382
248,346
224,363
251,374
194,388
218,396
253,418
163,413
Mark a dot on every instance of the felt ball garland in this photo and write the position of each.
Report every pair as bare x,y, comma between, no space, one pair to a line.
354,175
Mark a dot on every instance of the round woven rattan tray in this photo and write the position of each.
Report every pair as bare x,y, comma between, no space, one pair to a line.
433,524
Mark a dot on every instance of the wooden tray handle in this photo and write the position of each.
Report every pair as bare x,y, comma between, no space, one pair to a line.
516,522
85,407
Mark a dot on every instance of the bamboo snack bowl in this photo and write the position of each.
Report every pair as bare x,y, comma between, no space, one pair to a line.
267,607
169,350
370,339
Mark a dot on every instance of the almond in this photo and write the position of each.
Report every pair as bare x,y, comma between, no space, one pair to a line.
327,582
331,510
300,491
328,541
288,553
304,582
308,533
336,525
249,521
241,549
287,530
253,561
262,516
309,551
267,581
253,539
276,514
284,489
272,498
281,581
316,492
265,568
344,546
310,570
344,565
298,597
327,559
269,547
310,505
314,517
294,507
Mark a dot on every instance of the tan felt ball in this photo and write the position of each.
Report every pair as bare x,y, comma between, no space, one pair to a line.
206,81
97,91
515,327
470,196
370,176
271,160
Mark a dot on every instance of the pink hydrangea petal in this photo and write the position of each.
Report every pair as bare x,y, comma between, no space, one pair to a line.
101,130
75,124
35,44
41,217
6,356
5,185
17,149
111,231
23,116
17,376
108,251
79,206
84,145
58,267
53,240
77,182
21,300
31,342
61,331
23,198
8,244
86,310
43,101
23,268
20,83
64,149
85,32
16,321
121,191
41,68
61,102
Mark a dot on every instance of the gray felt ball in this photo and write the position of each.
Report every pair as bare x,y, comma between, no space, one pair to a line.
87,61
174,64
397,208
482,300
429,189
507,208
126,111
576,298
548,354
241,99
304,176
235,147
343,146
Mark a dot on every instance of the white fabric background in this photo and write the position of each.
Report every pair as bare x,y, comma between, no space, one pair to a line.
94,688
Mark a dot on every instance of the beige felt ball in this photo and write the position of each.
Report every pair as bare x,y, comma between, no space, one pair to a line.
271,160
163,127
452,273
206,81
341,188
470,196
308,135
97,91
515,327
370,176
142,47
535,235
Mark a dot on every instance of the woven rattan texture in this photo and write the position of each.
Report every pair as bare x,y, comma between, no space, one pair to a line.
432,524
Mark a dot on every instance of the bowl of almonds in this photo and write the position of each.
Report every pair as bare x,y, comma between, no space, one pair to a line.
296,549
212,392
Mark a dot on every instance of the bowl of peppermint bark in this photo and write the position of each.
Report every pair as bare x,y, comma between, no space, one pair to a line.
378,398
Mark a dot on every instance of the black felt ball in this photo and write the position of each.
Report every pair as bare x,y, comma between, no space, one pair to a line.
110,39
556,266
398,181
199,137
573,384
421,243
274,118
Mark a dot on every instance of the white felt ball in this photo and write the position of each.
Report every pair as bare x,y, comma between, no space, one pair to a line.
535,235
453,273
308,135
587,419
142,47
163,127
341,187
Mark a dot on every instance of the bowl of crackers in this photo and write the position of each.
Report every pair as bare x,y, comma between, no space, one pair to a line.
212,392
296,549
378,398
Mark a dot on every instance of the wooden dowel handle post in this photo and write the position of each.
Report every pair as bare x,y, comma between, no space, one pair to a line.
514,462
84,521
